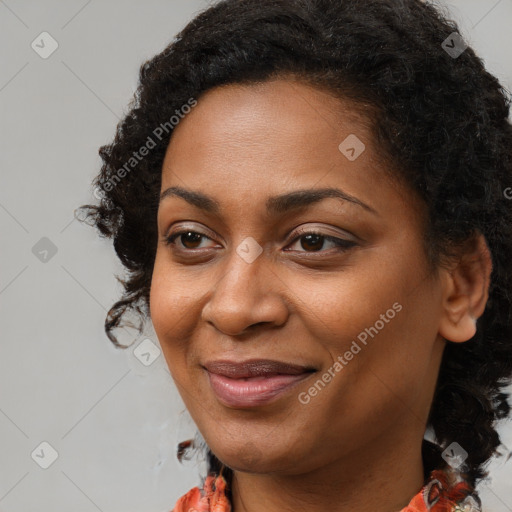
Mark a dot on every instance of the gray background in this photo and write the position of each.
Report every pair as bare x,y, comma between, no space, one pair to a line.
113,421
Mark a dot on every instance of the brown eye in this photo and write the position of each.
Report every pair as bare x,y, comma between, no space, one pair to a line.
189,239
194,239
314,242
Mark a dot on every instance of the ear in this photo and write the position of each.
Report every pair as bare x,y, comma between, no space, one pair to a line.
466,290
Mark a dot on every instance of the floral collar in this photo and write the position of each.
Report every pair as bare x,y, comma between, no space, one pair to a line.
445,491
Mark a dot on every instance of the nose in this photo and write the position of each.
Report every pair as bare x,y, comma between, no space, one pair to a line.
246,296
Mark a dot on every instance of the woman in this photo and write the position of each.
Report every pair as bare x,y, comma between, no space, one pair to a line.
310,197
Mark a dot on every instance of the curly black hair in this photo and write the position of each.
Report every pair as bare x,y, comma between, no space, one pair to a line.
440,119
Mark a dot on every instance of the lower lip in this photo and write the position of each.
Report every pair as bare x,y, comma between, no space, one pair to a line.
254,391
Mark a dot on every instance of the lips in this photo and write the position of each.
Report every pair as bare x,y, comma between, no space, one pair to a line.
253,382
254,368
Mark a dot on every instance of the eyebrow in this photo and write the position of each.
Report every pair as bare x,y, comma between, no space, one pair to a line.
275,205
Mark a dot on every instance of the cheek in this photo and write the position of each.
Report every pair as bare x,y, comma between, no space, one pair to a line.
383,327
352,307
381,305
172,315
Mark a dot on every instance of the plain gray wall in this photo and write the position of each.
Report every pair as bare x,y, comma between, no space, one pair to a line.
113,422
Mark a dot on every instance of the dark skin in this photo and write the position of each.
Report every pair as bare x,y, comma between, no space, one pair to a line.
356,445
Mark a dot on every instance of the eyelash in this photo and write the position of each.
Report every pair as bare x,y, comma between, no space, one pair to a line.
341,244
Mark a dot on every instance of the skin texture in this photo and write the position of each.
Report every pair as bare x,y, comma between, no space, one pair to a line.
356,445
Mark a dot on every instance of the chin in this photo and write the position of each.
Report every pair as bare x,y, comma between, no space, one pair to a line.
250,458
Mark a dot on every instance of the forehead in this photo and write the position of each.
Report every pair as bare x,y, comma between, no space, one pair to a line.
274,117
272,137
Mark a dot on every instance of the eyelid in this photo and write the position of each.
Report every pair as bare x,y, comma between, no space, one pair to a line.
323,231
203,231
341,242
304,229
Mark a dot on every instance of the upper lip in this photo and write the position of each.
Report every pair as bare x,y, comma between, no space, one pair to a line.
254,368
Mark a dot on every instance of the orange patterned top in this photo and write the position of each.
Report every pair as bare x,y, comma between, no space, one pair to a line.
445,491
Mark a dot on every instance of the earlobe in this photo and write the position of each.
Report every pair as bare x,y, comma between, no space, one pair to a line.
465,291
459,330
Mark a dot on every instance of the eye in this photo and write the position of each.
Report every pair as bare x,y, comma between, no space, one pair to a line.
189,239
312,241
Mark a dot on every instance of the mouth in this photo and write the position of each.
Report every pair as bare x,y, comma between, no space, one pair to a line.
253,382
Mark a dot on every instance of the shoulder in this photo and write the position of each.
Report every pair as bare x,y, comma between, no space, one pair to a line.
212,496
445,491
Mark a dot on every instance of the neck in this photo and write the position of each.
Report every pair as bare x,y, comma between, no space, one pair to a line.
381,479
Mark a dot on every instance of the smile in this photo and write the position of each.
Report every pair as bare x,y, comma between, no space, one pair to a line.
252,391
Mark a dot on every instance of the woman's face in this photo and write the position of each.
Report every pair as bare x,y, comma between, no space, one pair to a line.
360,308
